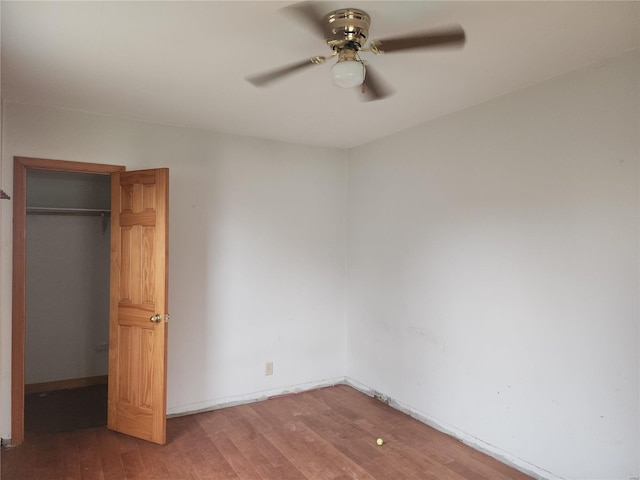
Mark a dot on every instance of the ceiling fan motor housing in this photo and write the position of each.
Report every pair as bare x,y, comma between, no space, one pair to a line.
347,28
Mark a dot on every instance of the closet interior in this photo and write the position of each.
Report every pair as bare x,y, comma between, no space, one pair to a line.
67,300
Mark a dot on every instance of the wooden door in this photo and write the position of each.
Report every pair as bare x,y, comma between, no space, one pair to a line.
138,304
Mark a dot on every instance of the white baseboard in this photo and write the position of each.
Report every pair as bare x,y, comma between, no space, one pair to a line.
475,443
232,401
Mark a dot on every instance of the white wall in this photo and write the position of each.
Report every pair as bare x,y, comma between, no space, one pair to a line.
67,278
257,248
493,272
67,321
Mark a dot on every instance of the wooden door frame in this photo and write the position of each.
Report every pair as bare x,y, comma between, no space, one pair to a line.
20,167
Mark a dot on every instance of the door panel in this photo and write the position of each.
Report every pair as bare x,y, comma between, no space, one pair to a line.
137,344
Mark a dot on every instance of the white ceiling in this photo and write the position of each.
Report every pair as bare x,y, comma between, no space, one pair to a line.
183,63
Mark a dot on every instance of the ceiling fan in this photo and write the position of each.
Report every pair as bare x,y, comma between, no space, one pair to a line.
346,32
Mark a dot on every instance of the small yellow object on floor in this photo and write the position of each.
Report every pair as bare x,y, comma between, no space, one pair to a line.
379,441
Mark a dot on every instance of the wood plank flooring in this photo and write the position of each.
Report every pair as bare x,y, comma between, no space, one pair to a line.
325,434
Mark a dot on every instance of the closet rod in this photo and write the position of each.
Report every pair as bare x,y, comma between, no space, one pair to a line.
66,211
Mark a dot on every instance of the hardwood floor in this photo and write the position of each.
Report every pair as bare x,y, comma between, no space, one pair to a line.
328,433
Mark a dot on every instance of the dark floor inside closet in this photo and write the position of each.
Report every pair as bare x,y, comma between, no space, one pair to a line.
65,410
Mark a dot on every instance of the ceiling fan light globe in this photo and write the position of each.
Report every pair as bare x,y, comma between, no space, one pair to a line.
347,74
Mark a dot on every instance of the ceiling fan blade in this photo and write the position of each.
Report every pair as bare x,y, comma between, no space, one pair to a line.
264,79
373,87
310,13
452,36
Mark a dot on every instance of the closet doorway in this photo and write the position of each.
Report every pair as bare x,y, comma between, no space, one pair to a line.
60,290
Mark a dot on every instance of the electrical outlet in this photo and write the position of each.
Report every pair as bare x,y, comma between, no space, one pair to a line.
268,368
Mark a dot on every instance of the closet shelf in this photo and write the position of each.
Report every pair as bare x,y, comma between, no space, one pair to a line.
67,211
